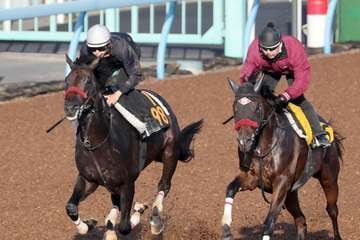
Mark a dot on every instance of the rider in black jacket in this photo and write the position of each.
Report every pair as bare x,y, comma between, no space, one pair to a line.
119,66
117,73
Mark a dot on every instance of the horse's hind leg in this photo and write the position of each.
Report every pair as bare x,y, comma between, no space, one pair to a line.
81,190
328,180
169,165
292,205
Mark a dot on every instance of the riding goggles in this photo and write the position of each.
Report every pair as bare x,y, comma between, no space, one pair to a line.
100,49
269,49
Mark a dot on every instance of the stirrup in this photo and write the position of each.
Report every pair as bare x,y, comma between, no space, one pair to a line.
321,141
144,134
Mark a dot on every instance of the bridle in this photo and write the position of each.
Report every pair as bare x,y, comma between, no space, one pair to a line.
86,108
258,126
255,137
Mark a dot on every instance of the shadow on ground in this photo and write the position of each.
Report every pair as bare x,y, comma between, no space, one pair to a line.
282,231
98,234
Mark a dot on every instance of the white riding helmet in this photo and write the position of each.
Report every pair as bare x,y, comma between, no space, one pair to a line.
98,36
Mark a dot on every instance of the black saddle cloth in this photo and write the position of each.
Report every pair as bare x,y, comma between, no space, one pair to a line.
138,104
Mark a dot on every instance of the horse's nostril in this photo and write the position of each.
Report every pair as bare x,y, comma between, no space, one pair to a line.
70,108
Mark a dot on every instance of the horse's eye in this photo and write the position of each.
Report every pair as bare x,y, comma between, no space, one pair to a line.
87,81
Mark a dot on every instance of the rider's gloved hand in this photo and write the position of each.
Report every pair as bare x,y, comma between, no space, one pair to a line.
281,102
113,98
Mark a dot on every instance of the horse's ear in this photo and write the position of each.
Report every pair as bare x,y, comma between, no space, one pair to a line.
94,63
233,85
69,61
259,82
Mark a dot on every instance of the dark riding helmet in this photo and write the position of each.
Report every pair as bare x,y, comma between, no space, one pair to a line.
270,36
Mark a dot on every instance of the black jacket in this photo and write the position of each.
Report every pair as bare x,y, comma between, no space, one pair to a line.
123,58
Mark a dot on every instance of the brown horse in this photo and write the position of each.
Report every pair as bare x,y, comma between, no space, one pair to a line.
277,159
109,153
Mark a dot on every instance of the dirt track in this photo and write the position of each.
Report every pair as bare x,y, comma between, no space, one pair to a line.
37,169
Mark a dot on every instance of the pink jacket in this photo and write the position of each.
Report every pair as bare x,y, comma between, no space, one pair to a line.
294,61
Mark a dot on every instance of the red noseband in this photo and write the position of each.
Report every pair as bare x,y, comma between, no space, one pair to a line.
245,122
75,90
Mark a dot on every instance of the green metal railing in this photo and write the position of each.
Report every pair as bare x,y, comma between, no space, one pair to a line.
48,29
39,23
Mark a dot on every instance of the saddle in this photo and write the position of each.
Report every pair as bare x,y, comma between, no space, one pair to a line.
147,110
301,124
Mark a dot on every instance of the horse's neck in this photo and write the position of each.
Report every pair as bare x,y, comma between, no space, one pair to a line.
96,124
274,132
267,134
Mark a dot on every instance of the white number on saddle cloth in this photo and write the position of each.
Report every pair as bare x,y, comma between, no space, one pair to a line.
244,101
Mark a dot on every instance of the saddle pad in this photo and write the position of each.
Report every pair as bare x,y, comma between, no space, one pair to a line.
158,111
301,124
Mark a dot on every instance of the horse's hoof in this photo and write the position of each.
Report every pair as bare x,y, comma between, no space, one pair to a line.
227,233
91,223
156,229
112,216
266,237
157,226
140,207
110,235
228,237
124,227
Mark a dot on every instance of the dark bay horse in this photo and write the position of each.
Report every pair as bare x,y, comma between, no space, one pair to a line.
278,158
107,153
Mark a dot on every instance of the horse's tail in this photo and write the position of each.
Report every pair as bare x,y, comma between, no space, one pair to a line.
339,145
185,139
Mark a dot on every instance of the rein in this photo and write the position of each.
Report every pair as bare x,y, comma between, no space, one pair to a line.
256,137
86,142
257,134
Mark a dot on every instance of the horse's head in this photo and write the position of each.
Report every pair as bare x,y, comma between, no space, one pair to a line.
80,89
250,111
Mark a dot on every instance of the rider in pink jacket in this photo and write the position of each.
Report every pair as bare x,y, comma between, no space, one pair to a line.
277,55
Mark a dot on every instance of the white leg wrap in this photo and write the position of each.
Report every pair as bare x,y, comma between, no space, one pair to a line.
266,237
110,235
113,215
159,201
82,227
227,219
135,219
139,209
136,123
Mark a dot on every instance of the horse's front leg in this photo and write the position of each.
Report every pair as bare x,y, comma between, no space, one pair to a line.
114,213
126,199
82,189
231,191
110,220
280,188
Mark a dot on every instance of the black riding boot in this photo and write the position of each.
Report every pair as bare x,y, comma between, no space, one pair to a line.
320,139
151,127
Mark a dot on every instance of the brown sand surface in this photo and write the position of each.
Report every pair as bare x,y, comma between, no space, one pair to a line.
38,172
